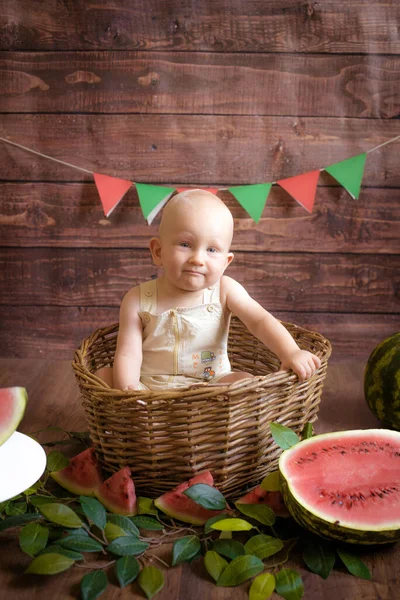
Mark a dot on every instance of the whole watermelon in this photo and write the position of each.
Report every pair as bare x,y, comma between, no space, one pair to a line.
382,381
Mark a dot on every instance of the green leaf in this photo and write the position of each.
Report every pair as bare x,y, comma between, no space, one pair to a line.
206,496
33,489
354,565
307,431
263,546
284,437
149,523
127,546
151,581
184,549
229,548
56,548
3,505
262,587
145,506
271,482
60,514
211,520
93,584
94,511
33,538
318,556
79,531
214,564
126,570
16,508
260,512
17,521
113,532
232,525
289,585
40,500
125,523
49,564
56,461
239,570
81,543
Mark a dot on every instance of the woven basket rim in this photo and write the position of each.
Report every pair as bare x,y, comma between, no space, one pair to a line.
79,366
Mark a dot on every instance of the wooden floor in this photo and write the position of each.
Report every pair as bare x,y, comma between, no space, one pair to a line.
54,401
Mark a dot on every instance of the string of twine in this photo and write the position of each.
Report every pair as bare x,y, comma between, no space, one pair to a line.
66,164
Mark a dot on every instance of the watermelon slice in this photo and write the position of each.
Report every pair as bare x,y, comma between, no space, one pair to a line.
177,505
117,493
345,485
12,407
260,496
82,476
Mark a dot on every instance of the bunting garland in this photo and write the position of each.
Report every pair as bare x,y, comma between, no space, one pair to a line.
152,198
253,197
302,188
349,173
111,191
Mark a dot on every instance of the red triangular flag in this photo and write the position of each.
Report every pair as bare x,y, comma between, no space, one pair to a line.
111,191
302,188
212,190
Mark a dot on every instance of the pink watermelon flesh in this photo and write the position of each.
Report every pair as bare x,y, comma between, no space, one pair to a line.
12,407
273,499
353,478
82,476
177,505
117,493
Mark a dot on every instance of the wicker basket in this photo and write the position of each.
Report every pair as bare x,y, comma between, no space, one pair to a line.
167,437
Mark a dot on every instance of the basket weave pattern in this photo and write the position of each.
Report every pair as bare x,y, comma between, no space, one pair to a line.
167,437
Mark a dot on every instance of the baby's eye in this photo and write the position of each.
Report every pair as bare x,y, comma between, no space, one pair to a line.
212,249
184,244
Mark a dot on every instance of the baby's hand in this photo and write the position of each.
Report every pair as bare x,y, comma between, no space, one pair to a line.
302,362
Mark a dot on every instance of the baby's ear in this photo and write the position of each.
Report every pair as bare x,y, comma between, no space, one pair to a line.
229,258
155,249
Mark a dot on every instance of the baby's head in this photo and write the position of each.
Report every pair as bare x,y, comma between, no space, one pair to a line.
196,229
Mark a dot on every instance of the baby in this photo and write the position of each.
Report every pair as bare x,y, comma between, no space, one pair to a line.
173,331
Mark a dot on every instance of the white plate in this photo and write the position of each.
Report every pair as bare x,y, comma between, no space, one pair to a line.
22,462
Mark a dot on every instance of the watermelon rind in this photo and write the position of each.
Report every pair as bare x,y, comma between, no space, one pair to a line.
382,381
117,493
82,476
308,515
178,506
19,397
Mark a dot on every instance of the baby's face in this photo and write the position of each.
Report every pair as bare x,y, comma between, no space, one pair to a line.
194,244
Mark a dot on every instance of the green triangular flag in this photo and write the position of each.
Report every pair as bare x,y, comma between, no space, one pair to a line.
349,173
252,197
152,198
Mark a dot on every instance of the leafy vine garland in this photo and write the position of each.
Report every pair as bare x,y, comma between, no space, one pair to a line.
247,542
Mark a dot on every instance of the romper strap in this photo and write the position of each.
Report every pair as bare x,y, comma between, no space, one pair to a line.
148,296
211,295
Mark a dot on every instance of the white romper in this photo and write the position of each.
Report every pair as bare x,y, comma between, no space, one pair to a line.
183,346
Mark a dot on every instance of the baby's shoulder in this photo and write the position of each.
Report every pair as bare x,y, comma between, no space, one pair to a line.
131,300
226,285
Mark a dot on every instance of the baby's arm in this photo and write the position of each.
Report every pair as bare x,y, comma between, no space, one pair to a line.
128,355
268,329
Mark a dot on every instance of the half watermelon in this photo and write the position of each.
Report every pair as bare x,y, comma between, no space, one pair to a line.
345,485
12,407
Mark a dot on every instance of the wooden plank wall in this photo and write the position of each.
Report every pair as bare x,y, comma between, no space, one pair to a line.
213,93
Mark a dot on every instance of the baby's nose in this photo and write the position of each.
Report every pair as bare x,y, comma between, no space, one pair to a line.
197,258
